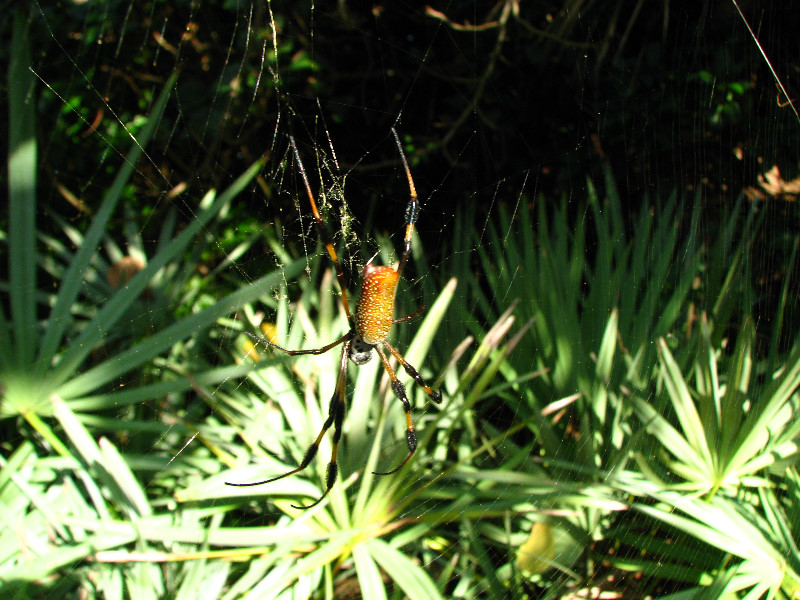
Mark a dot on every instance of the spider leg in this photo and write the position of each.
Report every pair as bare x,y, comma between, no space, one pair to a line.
412,210
410,317
400,392
325,233
336,411
322,350
433,395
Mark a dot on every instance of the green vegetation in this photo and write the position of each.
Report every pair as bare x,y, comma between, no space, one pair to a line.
616,415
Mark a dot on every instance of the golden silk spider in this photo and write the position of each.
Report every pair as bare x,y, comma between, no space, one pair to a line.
369,328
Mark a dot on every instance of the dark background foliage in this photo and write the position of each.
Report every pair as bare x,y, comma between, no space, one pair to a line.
496,100
667,92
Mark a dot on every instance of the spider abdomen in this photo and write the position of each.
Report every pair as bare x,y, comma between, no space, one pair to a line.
376,304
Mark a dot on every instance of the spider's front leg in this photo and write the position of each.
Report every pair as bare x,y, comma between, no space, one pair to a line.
321,350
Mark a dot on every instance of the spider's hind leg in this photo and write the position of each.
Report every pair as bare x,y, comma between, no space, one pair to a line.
336,411
400,392
412,372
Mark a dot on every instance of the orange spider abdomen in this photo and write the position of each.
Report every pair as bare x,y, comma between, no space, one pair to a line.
376,304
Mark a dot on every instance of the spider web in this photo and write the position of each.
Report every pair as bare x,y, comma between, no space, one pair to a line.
494,133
